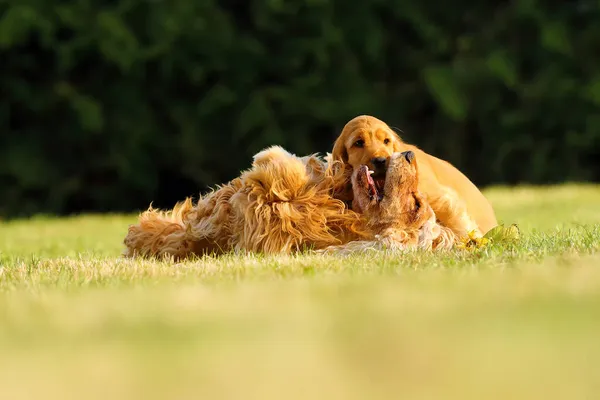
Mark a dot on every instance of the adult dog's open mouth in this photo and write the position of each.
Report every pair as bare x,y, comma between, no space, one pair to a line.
379,181
373,186
374,183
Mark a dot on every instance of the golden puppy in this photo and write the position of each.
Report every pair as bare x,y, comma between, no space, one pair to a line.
396,214
456,201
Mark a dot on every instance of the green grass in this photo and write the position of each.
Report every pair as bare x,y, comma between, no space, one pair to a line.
504,322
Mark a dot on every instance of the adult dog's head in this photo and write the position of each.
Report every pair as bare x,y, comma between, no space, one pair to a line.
397,204
396,214
366,140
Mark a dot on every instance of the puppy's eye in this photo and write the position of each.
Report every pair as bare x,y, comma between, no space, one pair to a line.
359,143
386,141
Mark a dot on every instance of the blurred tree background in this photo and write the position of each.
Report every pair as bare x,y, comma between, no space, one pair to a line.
108,105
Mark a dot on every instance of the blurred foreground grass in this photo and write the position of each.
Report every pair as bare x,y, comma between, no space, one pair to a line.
76,321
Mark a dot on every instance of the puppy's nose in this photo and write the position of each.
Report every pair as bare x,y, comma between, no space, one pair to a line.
379,162
409,156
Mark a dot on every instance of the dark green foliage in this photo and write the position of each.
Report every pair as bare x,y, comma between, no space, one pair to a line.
108,105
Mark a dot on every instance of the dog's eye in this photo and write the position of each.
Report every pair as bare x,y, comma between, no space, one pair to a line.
386,141
359,143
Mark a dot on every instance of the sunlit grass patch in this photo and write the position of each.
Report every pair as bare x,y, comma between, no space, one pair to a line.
516,321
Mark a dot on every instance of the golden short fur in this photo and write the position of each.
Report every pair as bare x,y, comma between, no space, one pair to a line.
457,202
285,204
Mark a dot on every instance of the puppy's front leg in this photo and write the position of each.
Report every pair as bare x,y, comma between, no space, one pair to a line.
451,212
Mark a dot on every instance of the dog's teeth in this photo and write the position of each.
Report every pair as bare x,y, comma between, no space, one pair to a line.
371,172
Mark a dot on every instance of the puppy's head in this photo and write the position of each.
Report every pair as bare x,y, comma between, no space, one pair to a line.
366,140
397,202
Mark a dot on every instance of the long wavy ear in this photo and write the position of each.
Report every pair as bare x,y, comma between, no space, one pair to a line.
339,151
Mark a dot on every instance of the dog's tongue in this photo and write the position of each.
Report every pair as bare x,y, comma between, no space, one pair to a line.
365,176
369,180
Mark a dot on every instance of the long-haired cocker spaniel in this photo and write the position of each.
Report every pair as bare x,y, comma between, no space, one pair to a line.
282,204
286,203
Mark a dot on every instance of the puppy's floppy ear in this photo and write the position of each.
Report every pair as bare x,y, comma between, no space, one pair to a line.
339,151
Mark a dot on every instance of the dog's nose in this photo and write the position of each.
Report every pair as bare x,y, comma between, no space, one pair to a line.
379,162
409,156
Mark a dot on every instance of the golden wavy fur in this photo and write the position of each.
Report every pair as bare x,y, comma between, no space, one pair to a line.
282,204
457,202
285,204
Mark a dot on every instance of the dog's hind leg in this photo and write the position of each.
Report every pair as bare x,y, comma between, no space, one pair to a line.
166,234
